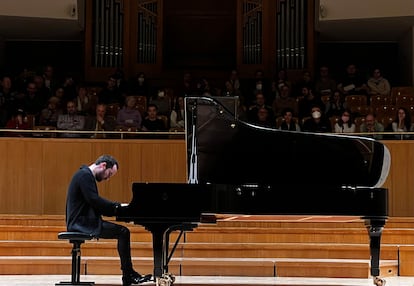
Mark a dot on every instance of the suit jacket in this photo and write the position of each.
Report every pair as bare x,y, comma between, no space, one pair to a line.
109,123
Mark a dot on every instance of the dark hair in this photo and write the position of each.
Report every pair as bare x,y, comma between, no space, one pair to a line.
109,160
407,119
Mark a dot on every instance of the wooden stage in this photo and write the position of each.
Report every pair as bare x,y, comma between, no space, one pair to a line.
115,280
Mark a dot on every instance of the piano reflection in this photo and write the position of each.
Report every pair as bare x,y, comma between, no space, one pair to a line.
239,168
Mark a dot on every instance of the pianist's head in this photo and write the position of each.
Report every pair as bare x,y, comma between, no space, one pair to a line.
104,167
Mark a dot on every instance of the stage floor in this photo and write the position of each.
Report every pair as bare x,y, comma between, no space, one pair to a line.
112,280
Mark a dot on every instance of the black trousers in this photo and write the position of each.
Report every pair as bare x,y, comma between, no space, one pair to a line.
121,233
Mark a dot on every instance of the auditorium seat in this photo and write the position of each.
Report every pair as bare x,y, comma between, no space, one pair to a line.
401,90
380,100
404,100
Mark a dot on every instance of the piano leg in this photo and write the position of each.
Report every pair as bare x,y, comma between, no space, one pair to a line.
160,243
375,226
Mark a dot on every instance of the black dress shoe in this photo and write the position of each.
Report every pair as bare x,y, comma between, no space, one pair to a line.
135,278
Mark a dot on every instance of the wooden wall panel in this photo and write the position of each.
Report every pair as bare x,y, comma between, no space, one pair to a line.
36,172
21,177
400,181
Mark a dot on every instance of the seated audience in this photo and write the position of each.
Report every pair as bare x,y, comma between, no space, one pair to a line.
49,115
284,101
129,116
17,121
325,84
308,100
264,119
378,85
402,123
177,116
318,122
162,101
260,101
345,123
139,85
353,83
371,125
152,122
100,122
71,120
83,102
336,104
288,122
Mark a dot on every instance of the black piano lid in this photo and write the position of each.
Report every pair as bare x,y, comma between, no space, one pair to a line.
226,150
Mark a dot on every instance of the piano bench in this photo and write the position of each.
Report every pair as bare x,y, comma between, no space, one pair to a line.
76,238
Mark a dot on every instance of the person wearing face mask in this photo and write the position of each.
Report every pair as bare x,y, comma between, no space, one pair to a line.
140,85
345,123
163,101
317,122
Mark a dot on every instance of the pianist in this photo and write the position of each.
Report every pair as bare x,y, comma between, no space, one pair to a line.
85,208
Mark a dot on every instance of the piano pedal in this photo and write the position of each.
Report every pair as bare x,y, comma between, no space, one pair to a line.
379,281
166,279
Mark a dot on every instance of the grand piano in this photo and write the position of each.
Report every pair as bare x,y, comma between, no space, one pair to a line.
235,167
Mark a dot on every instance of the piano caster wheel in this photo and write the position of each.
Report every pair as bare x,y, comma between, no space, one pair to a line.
165,280
379,282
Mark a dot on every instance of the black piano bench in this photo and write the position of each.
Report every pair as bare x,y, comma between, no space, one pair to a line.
76,238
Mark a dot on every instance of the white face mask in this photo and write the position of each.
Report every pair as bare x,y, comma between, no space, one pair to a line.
259,86
316,114
160,94
141,79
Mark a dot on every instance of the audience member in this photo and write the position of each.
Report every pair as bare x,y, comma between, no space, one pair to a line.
41,90
33,104
203,87
352,82
50,80
279,80
259,102
288,122
7,97
284,101
71,121
50,114
187,86
232,85
100,122
378,85
177,116
305,81
258,84
371,125
307,101
336,104
129,116
69,88
152,122
140,86
83,101
264,119
229,90
318,122
402,123
325,84
162,101
17,121
111,93
345,123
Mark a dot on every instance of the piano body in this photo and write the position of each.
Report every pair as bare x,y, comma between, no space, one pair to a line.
239,168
